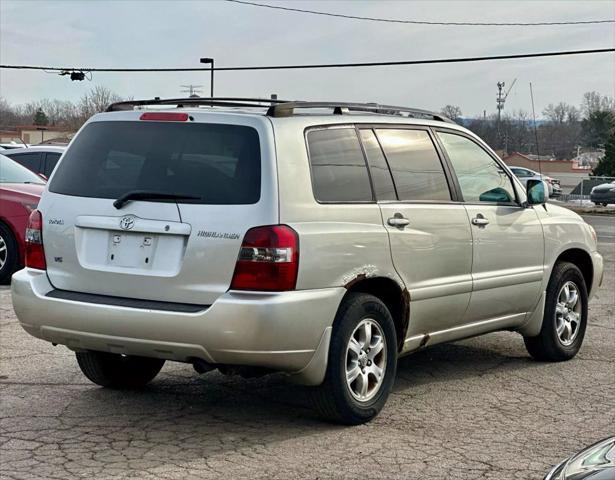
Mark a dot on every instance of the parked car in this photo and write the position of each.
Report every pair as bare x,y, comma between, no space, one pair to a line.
596,463
39,159
525,174
603,194
11,146
20,191
323,240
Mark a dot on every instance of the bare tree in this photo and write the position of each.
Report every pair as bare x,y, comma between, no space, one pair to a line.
96,101
594,102
452,111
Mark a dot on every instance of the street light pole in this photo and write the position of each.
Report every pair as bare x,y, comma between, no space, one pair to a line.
210,61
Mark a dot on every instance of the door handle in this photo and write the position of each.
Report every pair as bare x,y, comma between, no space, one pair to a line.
480,220
398,221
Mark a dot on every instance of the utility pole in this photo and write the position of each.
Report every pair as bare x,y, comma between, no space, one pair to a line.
191,90
500,103
500,100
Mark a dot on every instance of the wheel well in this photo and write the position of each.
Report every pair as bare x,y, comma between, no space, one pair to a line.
396,299
582,260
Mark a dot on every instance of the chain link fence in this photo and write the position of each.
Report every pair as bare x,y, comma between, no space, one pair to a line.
582,192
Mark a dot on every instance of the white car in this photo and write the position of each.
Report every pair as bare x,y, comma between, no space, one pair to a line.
322,240
525,174
39,159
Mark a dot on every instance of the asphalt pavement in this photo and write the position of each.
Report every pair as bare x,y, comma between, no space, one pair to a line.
475,409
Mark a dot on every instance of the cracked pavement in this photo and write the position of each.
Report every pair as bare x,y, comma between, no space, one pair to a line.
475,409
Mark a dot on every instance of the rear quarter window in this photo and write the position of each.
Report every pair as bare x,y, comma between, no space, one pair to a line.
219,164
339,172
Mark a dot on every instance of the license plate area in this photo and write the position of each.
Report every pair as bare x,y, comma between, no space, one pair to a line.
132,250
136,253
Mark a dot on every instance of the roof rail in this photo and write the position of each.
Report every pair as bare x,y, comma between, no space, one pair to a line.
287,109
195,101
281,108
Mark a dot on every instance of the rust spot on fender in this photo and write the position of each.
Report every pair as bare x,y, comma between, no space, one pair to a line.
355,280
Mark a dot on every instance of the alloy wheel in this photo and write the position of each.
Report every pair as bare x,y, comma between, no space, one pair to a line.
4,253
366,355
568,313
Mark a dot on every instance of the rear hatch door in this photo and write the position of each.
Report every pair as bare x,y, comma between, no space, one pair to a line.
182,248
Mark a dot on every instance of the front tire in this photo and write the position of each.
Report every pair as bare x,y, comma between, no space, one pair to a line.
118,371
565,317
362,362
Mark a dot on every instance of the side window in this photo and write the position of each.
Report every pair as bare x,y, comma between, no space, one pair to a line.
415,165
51,160
520,172
339,172
378,167
480,177
31,161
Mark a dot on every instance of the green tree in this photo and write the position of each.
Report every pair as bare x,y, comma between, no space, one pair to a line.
606,166
597,128
40,118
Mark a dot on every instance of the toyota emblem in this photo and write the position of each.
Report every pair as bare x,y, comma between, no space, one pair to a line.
127,222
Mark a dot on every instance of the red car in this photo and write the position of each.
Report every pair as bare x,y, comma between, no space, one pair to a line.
20,191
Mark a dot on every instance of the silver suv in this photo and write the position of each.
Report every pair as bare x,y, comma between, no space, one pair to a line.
323,240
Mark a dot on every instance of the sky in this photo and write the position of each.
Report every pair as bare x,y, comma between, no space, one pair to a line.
159,33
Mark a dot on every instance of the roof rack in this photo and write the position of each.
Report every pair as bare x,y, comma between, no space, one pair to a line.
195,101
339,108
282,108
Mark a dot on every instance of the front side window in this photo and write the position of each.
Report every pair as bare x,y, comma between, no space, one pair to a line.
339,173
480,177
415,165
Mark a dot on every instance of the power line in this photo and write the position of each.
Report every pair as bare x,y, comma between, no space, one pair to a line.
421,22
323,65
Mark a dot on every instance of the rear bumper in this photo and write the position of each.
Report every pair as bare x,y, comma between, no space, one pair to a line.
286,331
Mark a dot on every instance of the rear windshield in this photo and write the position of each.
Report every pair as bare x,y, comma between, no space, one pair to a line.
219,164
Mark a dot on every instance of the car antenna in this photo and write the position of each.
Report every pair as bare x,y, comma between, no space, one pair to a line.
536,139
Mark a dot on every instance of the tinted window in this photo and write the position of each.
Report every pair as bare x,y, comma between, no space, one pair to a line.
378,167
339,173
31,161
220,164
480,177
12,172
521,172
50,162
415,165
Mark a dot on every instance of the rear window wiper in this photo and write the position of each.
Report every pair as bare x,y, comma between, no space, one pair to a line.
150,195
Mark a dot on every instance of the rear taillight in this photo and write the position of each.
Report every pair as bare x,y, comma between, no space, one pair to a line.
268,260
35,253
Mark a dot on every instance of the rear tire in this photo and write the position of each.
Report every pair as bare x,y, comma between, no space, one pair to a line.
118,371
364,346
565,317
8,254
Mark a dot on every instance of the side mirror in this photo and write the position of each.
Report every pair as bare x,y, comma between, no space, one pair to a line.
536,192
